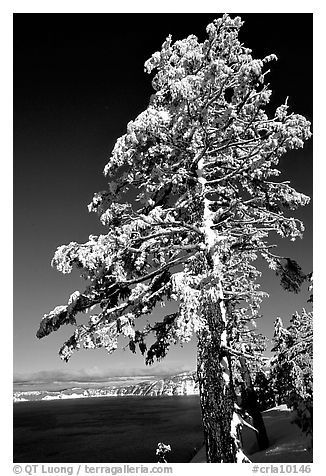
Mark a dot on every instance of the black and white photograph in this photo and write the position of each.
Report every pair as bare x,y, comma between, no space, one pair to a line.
163,238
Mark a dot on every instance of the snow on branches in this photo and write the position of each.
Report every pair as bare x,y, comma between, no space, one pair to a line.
199,162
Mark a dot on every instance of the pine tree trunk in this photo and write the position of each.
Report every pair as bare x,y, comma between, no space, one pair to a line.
216,394
252,407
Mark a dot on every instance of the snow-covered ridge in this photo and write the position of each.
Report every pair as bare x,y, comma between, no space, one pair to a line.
181,384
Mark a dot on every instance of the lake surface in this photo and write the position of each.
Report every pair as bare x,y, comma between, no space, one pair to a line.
106,430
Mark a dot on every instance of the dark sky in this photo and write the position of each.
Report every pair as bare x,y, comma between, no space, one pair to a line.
78,80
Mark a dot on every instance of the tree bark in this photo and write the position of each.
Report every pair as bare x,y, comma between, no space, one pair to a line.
251,406
216,393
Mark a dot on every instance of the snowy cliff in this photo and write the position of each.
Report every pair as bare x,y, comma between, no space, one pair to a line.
181,384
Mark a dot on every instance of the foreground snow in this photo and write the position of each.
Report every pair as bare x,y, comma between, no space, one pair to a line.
287,443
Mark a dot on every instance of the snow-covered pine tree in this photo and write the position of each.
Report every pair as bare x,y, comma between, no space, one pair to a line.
291,372
264,390
162,452
200,161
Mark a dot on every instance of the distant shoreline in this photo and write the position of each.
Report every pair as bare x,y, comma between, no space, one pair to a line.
86,397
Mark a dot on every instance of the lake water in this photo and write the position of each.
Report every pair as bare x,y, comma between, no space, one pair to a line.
106,430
